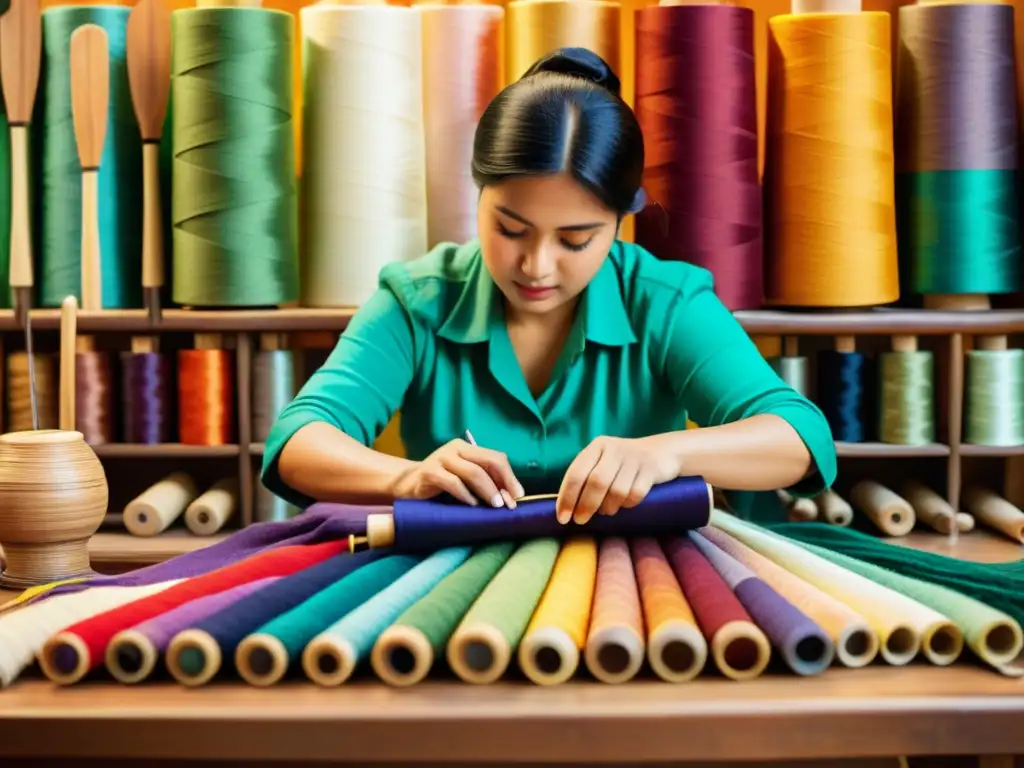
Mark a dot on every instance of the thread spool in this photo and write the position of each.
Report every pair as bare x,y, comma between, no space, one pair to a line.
233,203
461,74
791,366
991,510
155,509
933,510
208,513
364,177
994,394
535,28
94,392
269,507
830,218
206,392
890,512
147,393
19,389
701,134
798,510
841,389
957,149
906,411
119,178
274,383
53,493
834,508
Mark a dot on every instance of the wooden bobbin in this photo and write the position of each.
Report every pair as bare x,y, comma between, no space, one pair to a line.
614,654
931,509
136,646
261,660
891,513
846,344
69,340
193,641
903,343
677,651
790,346
402,656
478,654
992,510
548,656
834,508
145,345
152,511
208,513
328,661
798,510
380,530
737,640
271,342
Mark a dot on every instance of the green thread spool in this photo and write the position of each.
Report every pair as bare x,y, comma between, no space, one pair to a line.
994,402
906,407
120,174
793,371
234,198
273,384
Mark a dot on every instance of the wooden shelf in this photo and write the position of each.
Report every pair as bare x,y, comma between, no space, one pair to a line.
163,450
872,321
887,450
992,451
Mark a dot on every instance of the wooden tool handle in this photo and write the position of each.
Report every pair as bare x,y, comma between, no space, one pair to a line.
68,333
92,289
21,225
152,226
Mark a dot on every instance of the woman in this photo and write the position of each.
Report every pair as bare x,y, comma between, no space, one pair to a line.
573,358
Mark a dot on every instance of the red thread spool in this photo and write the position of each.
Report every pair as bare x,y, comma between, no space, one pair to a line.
696,102
206,393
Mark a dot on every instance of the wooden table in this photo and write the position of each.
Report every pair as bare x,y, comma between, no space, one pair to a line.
879,712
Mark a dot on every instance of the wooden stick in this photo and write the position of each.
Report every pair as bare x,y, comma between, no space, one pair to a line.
68,347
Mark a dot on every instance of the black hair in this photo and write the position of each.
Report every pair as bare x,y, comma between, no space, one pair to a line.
565,114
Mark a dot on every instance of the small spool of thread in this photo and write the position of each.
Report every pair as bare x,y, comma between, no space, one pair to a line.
206,393
842,376
798,510
274,383
94,392
890,512
234,196
906,410
994,394
535,28
791,366
207,514
930,508
830,201
269,507
834,508
992,510
152,511
461,74
19,389
147,392
364,156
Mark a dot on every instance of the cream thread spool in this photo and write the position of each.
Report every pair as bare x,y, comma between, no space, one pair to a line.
798,510
891,513
208,513
933,510
834,508
992,510
152,511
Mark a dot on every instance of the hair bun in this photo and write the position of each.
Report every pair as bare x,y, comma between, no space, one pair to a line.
578,62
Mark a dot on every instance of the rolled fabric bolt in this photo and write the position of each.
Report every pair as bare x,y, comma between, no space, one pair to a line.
614,649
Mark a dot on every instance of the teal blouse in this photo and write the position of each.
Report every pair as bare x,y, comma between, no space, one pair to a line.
651,345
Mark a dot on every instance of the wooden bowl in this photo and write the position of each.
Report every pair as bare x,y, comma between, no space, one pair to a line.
53,497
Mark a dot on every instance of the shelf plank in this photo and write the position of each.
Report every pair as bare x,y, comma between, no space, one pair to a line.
993,451
164,451
757,322
886,450
117,548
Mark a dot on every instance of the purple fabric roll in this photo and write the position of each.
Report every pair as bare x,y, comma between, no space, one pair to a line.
320,522
803,644
160,629
670,508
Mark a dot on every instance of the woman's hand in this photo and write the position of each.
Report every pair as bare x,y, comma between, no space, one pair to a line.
612,473
467,472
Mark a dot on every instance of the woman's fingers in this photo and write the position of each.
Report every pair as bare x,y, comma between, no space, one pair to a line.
620,488
451,484
598,484
574,480
497,466
476,478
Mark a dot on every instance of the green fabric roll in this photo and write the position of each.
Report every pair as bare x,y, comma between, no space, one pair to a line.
438,614
295,628
509,600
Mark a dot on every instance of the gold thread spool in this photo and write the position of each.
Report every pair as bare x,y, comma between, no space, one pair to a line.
152,511
19,388
208,513
535,28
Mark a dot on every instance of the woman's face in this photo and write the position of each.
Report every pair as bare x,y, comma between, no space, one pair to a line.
543,239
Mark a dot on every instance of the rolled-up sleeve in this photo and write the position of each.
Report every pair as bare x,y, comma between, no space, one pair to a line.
357,390
720,377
